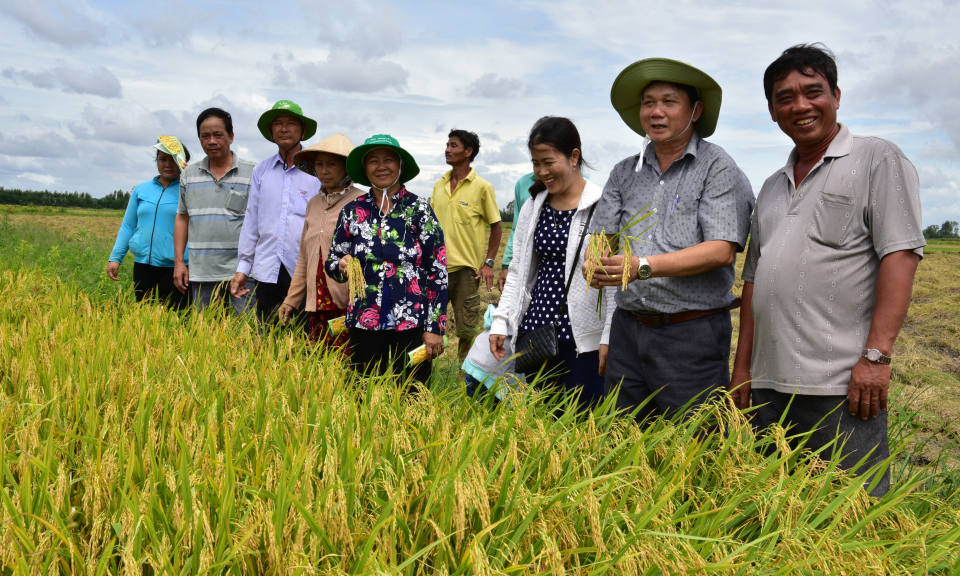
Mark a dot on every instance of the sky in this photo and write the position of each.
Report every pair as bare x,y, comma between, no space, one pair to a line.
86,87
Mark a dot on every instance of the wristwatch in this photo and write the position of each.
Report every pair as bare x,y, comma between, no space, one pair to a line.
489,262
644,271
876,356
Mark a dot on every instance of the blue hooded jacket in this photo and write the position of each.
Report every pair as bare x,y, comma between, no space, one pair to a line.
147,229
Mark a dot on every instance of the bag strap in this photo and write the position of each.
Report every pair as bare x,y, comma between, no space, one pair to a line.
573,269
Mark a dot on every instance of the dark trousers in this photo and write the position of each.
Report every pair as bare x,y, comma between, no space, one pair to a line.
569,372
374,352
676,364
271,295
149,281
829,418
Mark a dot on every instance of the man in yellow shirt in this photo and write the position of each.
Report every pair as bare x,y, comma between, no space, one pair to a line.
465,204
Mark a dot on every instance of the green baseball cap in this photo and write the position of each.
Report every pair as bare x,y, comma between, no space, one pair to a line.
286,107
355,166
625,95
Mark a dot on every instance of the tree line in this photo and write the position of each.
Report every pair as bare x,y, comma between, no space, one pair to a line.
949,229
115,200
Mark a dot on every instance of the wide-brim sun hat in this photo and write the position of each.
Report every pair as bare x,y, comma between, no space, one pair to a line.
625,95
286,107
358,172
338,144
171,145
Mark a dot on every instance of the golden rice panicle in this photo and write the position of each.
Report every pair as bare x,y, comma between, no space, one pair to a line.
357,283
627,265
598,247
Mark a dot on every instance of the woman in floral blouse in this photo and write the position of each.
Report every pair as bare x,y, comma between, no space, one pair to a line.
399,243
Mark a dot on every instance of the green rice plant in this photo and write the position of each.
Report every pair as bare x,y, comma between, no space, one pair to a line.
137,440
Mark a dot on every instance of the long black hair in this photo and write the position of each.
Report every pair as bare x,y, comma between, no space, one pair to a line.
560,134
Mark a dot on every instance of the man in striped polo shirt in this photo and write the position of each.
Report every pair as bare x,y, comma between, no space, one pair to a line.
213,200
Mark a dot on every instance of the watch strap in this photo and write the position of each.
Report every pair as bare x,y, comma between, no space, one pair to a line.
883,358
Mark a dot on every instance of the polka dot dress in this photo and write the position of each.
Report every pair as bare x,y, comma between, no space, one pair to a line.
550,243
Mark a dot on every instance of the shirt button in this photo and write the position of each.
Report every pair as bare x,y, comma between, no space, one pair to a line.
661,182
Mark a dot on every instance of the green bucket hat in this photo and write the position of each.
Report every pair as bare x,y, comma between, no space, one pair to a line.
629,85
286,107
355,160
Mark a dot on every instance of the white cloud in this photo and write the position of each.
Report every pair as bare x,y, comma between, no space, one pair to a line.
36,143
123,122
99,81
45,179
346,71
510,152
70,24
491,85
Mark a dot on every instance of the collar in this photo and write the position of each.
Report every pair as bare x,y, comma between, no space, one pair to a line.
470,176
840,146
397,196
649,153
205,163
278,159
156,180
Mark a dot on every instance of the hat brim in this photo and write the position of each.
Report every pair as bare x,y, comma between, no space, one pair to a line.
305,160
309,125
358,173
625,95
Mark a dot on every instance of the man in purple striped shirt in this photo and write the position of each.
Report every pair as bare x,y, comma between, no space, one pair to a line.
279,192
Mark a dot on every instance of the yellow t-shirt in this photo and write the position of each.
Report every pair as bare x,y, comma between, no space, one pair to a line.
464,215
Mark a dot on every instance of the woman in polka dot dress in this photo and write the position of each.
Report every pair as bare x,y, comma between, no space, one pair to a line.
545,254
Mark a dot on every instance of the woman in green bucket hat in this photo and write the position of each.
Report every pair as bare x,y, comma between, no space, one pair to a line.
398,299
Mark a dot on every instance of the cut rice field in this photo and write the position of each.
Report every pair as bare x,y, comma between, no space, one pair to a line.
140,441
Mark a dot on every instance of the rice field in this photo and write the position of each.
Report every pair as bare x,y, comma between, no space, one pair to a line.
139,441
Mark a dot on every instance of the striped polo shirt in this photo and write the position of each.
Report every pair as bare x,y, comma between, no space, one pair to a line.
216,209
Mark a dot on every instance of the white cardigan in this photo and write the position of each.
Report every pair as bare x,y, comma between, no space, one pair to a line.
590,329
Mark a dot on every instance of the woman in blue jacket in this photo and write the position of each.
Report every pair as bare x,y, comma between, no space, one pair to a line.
147,229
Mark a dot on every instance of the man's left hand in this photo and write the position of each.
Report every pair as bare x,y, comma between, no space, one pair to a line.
867,393
486,274
609,272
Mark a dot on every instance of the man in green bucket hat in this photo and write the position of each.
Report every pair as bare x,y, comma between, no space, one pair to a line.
273,224
670,335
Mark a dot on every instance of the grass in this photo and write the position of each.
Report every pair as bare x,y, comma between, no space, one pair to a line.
136,440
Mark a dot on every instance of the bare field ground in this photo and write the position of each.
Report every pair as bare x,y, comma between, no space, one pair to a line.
926,369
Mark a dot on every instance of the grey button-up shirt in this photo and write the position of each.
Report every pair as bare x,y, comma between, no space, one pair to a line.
814,257
702,196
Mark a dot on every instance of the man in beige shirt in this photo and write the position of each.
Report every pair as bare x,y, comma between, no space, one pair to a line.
836,239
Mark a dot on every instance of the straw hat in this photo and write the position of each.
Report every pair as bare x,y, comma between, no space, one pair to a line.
337,144
625,95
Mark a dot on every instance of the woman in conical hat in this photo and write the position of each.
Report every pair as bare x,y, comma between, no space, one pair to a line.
326,300
147,228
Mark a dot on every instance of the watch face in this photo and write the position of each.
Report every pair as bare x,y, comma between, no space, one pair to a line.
873,355
644,271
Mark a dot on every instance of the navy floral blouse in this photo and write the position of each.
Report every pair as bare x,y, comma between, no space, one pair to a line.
404,263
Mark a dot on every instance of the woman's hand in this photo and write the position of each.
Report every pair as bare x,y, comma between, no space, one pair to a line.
433,342
496,346
343,264
603,359
286,311
112,268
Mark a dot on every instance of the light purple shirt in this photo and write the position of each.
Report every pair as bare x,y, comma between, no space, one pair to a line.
274,220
